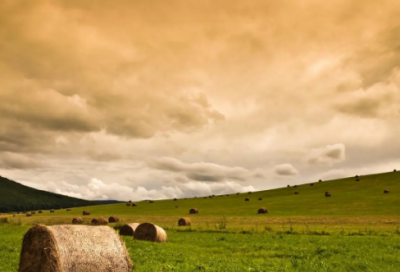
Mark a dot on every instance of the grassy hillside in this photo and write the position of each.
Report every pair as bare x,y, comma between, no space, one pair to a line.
16,197
349,198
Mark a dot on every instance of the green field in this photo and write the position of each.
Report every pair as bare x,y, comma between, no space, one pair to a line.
356,229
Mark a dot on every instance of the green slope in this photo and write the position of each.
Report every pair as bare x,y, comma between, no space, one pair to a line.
349,198
15,197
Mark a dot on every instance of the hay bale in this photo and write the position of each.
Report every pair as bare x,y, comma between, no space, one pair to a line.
176,206
312,184
175,199
237,193
130,201
194,210
320,180
262,210
205,197
295,186
33,212
128,229
13,215
113,219
386,192
52,210
260,198
246,199
227,195
99,221
184,221
40,211
150,232
357,179
77,220
28,214
327,194
249,193
394,170
151,201
134,204
288,186
296,193
128,204
67,248
356,176
68,210
85,213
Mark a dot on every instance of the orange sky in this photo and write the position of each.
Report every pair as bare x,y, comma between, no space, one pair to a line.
149,99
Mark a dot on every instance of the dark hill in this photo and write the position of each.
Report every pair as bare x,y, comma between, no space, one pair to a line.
15,197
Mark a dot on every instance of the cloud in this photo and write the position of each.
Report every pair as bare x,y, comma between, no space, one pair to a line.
329,154
202,171
286,170
10,160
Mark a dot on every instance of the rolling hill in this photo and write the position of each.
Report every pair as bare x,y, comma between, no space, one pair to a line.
15,197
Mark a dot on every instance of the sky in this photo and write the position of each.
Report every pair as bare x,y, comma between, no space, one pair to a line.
133,100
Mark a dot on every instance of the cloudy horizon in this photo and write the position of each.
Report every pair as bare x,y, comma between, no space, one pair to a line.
139,100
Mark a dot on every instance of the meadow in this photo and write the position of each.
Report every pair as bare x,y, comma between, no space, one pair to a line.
356,229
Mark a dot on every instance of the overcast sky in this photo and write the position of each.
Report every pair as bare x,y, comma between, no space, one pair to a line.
162,99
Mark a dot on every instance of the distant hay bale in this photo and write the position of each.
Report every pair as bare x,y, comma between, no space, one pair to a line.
262,210
13,215
357,179
320,180
85,213
312,184
260,198
40,211
150,232
249,192
210,196
386,192
184,221
130,201
134,204
288,186
52,210
296,193
295,186
246,199
394,170
221,195
28,214
99,221
77,220
33,212
128,204
227,195
237,193
327,194
205,197
113,219
175,199
151,201
68,210
356,176
185,198
67,248
128,229
176,206
194,210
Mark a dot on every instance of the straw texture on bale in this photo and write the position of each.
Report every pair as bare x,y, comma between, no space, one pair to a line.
262,210
28,214
85,213
51,210
194,210
150,232
68,248
246,199
99,221
184,221
77,220
128,229
113,219
327,194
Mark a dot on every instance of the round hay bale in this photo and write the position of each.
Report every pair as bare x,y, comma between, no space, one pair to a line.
249,193
77,220
205,197
128,229
210,197
356,176
128,204
113,219
288,186
150,232
28,214
312,184
227,195
295,186
175,199
13,215
151,201
296,193
262,210
68,210
246,199
260,198
327,194
134,204
99,221
185,198
40,211
176,206
357,179
130,201
237,193
386,192
67,248
320,180
85,213
194,210
394,170
33,212
52,210
184,221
